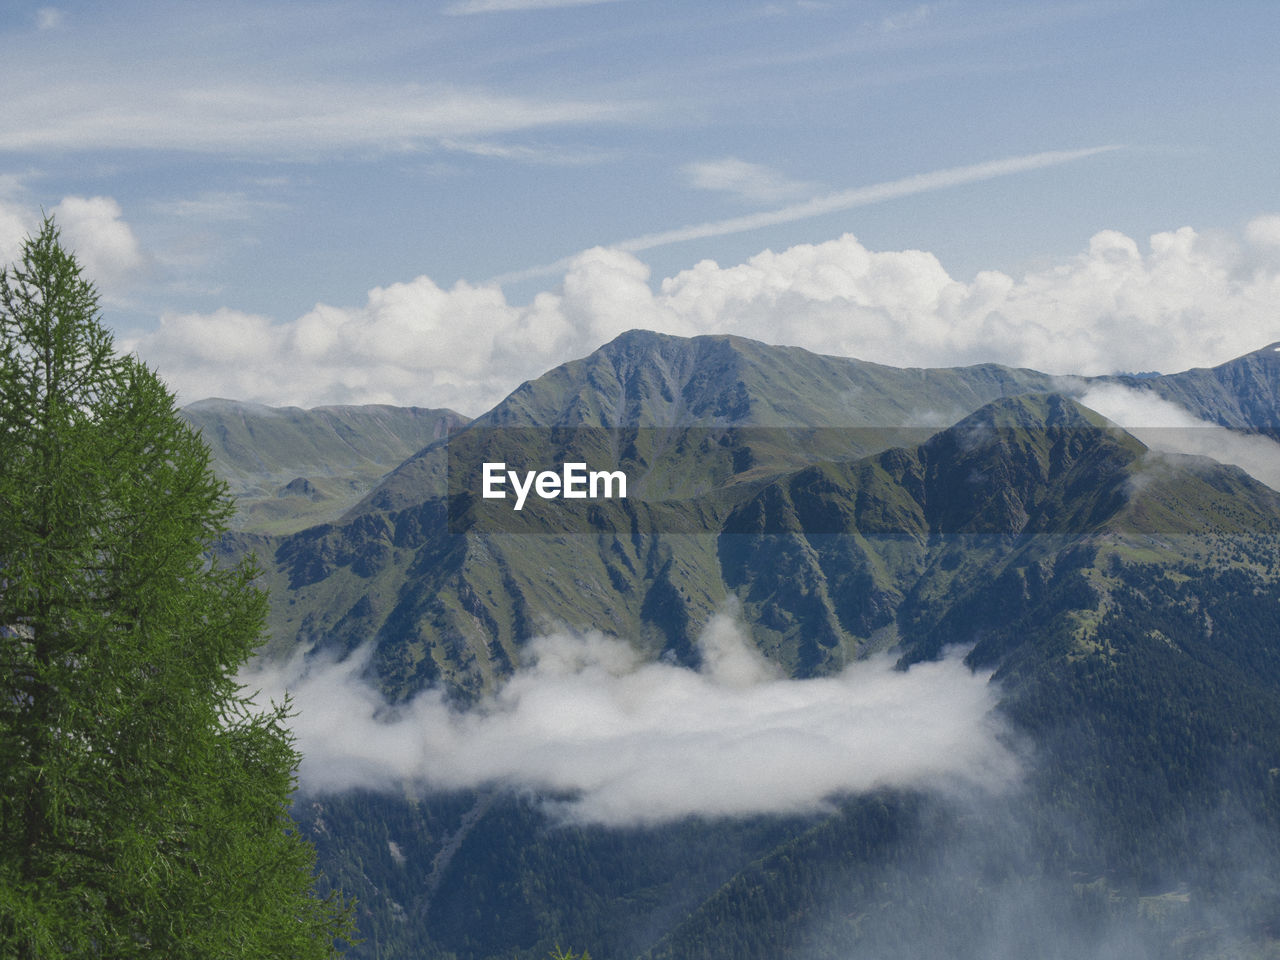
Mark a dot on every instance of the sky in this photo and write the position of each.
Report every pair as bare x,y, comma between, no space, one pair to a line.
429,203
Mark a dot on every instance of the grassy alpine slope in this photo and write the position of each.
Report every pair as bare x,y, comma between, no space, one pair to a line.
290,468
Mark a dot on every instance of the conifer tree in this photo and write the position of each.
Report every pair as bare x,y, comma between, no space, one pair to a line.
143,798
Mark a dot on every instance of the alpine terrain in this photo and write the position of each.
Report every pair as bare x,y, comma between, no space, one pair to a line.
1119,604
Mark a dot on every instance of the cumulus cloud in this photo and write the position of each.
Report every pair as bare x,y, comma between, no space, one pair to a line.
1183,301
610,739
95,230
15,226
410,343
1166,427
1264,232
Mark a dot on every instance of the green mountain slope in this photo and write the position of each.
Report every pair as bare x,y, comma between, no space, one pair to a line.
291,468
885,548
656,380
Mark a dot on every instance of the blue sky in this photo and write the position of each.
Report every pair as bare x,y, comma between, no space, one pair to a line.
427,203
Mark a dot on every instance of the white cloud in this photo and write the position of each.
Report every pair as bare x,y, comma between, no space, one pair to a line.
1168,428
1183,301
95,230
863,196
225,354
631,742
12,185
1264,232
16,223
751,181
550,156
906,20
411,343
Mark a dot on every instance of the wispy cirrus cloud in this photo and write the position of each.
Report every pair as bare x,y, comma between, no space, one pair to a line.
862,196
750,181
524,153
251,118
222,206
49,18
466,7
906,20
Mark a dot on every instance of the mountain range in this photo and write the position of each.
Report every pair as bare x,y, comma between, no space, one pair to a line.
289,468
1124,602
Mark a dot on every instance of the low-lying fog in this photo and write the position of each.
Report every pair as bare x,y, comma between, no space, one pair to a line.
621,741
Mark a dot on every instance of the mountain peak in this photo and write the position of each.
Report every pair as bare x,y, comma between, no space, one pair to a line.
1034,410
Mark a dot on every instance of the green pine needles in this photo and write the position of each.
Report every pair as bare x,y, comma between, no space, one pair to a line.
143,798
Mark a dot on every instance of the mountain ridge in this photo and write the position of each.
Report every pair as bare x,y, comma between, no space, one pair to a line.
289,467
659,381
1242,394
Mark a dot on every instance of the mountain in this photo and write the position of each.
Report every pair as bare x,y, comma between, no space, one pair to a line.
1126,603
290,468
1243,393
667,385
701,421
890,547
655,380
698,422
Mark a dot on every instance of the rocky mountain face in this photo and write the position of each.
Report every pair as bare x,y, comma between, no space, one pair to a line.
1128,605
